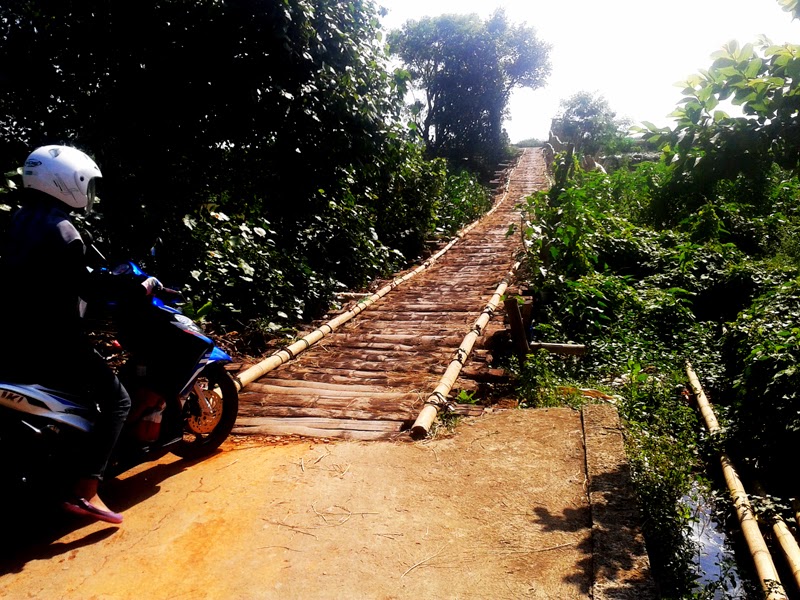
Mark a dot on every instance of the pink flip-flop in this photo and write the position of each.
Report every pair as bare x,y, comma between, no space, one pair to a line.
80,506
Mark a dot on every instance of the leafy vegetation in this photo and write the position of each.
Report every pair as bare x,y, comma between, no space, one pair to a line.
692,257
263,143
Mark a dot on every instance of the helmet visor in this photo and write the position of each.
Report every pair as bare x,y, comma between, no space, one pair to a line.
91,194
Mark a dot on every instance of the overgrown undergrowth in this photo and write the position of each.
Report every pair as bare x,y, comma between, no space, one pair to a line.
719,288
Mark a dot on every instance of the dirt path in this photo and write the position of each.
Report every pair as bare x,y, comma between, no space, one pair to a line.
501,509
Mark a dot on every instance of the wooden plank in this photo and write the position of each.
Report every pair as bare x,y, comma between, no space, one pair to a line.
425,317
282,428
468,410
482,373
423,355
375,406
255,399
327,428
336,376
323,423
410,325
290,383
429,365
312,392
251,415
430,308
404,338
353,343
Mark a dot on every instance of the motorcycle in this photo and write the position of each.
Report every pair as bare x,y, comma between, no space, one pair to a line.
182,399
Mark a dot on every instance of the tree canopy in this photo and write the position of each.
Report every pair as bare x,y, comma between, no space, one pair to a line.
736,120
587,121
261,140
466,68
162,90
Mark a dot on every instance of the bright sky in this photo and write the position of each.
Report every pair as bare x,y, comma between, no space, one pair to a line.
630,51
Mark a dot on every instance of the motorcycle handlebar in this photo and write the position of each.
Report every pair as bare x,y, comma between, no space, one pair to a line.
170,295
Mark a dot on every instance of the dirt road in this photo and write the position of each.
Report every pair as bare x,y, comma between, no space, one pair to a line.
503,508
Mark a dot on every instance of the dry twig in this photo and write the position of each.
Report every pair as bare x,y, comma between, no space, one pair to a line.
422,562
284,547
292,527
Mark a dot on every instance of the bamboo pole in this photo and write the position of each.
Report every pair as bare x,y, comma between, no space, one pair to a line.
283,356
768,576
785,538
572,349
438,397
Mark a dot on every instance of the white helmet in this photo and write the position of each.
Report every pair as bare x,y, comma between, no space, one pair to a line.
62,172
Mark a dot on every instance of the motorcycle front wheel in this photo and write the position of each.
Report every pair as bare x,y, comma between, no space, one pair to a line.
209,413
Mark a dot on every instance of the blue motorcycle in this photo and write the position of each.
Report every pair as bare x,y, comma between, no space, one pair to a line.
182,398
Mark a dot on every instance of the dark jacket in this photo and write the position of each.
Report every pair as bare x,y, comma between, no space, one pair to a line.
43,276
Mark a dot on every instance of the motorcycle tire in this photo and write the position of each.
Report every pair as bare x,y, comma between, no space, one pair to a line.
204,434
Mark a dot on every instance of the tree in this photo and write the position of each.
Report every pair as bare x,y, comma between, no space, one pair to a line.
466,69
223,97
587,121
760,86
213,120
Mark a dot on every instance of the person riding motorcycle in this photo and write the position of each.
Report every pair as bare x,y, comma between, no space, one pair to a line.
44,260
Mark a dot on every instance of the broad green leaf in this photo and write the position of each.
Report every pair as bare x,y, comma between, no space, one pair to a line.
746,53
753,68
693,81
773,50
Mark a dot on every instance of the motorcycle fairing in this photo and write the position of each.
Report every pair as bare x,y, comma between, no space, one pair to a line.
38,400
215,355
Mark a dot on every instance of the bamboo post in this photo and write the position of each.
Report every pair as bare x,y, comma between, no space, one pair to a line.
768,576
285,355
518,334
438,397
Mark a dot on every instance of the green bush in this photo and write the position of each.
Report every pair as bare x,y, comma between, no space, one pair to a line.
761,350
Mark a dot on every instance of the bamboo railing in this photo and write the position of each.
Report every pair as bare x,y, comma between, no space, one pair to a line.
438,398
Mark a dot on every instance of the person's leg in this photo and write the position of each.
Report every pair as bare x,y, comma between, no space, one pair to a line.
114,402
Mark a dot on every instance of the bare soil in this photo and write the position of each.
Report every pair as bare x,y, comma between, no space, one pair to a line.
498,508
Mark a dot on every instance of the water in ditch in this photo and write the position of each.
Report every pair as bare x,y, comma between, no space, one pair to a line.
718,573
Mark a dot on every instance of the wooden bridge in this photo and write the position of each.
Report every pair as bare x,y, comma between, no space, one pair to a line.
371,377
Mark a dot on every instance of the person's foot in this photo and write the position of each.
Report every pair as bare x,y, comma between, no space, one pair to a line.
87,502
84,508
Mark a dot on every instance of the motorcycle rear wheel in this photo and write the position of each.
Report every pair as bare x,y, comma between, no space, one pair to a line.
205,431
